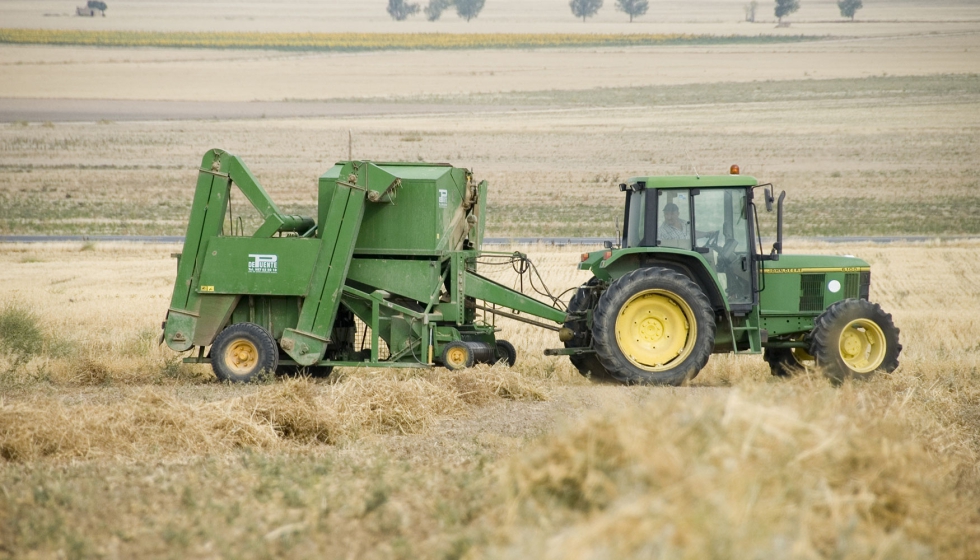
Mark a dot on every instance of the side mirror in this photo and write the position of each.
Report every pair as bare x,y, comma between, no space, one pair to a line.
769,200
607,244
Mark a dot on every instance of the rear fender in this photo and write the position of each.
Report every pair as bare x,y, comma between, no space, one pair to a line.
688,263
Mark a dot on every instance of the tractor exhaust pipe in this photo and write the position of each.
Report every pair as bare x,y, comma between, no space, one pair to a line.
777,247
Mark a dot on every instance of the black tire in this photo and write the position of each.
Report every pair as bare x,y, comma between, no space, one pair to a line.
667,306
506,352
787,362
585,298
457,355
243,351
854,338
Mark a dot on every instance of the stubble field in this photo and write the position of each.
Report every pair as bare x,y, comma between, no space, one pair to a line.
110,447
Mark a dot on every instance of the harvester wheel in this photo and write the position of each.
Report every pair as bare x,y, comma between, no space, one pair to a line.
506,352
854,338
457,355
585,298
785,362
243,351
653,326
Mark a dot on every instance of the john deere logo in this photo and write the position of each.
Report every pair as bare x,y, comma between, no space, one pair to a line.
264,264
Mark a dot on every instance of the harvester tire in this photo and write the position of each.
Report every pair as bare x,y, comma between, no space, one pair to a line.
506,352
585,298
786,362
457,355
241,352
854,338
653,326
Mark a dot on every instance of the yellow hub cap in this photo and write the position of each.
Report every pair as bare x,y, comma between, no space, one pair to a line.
655,329
241,356
456,357
862,345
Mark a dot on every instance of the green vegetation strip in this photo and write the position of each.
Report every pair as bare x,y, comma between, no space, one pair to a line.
371,41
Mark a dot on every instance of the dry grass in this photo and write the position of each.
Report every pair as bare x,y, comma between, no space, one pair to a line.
295,412
107,454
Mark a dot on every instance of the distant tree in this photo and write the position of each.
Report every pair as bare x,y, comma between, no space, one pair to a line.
585,8
849,7
750,9
399,10
786,7
468,9
435,8
634,8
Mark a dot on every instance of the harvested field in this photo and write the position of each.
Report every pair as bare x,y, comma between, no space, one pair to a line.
111,447
490,462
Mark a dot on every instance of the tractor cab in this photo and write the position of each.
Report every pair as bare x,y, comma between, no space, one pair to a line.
708,215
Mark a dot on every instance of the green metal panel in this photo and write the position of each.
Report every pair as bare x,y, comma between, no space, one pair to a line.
426,216
308,341
415,279
215,310
274,313
787,283
246,265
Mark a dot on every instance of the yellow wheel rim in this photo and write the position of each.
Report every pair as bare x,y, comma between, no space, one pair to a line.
241,356
456,357
862,345
655,329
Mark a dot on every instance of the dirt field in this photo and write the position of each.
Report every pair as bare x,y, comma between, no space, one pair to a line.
111,448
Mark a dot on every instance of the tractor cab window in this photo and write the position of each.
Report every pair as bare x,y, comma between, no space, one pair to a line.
674,219
721,221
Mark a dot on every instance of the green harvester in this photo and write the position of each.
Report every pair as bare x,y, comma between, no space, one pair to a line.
386,276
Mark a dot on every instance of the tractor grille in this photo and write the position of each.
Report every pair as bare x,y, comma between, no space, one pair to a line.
851,286
811,292
865,288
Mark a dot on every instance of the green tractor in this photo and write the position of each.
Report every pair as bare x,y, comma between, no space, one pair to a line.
690,278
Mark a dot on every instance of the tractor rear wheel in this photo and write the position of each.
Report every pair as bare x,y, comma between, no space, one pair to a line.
854,338
241,352
585,298
653,326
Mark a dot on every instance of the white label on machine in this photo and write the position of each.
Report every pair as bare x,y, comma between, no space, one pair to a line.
265,264
443,198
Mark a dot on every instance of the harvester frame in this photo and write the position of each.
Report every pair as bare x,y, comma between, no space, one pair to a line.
301,282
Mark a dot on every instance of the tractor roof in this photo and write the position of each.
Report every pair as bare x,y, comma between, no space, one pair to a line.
702,182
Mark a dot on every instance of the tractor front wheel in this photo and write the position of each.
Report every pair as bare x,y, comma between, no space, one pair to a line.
242,351
854,338
653,326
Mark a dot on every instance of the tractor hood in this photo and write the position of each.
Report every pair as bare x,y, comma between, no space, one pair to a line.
805,264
